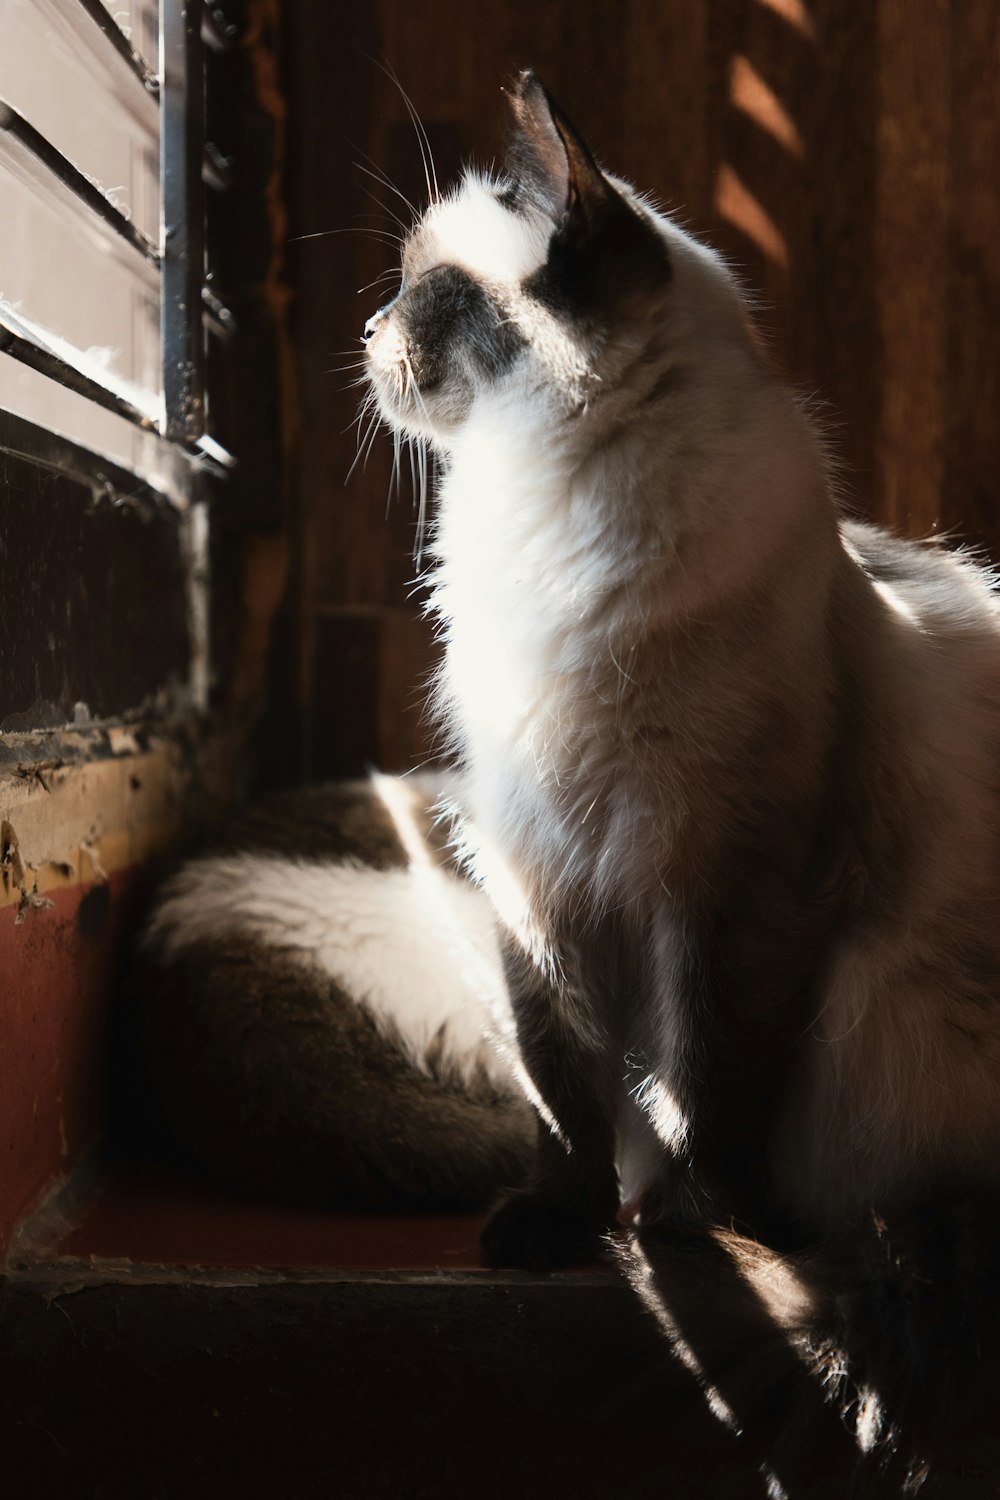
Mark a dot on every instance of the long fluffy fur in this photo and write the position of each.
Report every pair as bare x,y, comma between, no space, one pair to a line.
311,1001
732,761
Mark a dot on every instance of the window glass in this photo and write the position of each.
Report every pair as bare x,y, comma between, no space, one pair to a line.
61,269
65,78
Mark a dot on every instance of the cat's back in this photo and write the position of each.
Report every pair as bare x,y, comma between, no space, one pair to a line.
948,596
919,629
910,998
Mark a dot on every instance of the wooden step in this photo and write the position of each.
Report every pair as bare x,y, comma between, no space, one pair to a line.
166,1341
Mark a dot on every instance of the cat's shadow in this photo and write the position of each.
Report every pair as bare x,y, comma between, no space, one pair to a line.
731,1326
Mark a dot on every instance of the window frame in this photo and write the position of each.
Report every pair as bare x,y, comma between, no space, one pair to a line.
178,453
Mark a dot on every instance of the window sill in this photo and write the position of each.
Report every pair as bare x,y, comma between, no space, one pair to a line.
174,1343
139,1214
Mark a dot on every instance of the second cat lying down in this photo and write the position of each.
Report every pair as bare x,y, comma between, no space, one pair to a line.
312,1000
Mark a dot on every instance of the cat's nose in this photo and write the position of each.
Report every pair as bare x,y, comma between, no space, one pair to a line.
377,319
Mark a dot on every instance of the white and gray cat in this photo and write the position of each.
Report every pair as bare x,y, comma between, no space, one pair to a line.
731,780
732,783
313,999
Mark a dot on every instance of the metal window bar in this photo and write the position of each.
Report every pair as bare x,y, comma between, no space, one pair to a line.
216,31
25,343
50,450
187,302
129,54
217,315
216,169
17,136
182,131
181,449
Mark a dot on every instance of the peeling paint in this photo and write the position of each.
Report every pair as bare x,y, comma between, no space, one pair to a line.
30,901
71,823
123,740
58,965
11,864
87,848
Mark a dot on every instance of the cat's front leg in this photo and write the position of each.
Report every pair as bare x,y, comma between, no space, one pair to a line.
571,1199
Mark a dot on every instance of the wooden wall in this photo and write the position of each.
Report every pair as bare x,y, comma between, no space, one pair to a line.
844,153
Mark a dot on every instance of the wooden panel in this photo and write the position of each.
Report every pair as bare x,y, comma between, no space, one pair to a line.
75,829
249,372
972,382
911,249
842,153
426,1387
57,966
344,699
95,600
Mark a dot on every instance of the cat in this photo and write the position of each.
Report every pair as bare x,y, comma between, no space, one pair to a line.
732,782
312,997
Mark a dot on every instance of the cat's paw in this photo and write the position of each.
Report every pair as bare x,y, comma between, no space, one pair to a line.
534,1233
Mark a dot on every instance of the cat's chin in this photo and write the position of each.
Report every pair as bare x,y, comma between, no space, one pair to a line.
411,426
406,417
411,412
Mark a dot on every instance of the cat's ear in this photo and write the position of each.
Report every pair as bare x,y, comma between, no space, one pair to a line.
554,155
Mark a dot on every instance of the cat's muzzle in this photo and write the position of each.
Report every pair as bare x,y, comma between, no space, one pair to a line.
385,345
388,353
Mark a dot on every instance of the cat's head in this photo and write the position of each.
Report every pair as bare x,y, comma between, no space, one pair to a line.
553,280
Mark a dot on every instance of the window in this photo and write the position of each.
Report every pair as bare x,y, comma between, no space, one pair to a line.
105,298
119,222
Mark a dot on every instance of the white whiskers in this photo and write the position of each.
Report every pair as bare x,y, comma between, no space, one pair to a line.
406,389
423,141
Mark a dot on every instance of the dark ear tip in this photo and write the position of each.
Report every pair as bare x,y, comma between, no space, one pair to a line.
525,87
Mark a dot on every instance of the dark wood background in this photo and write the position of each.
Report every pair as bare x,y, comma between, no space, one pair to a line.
844,153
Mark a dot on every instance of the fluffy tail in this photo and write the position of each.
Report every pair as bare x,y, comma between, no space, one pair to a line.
864,1369
277,1082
